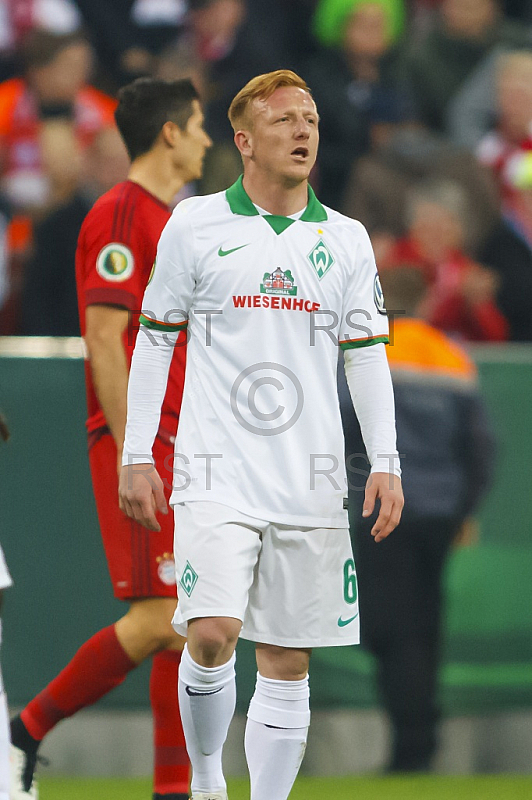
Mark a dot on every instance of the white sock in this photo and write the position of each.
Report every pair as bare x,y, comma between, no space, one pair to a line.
207,697
276,736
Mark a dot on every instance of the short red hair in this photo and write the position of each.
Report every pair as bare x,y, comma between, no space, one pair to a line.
261,88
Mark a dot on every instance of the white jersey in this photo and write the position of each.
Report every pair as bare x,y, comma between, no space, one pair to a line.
267,300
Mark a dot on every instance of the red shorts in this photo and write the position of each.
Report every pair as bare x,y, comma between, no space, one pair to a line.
141,562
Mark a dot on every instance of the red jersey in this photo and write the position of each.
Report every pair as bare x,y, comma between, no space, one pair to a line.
116,251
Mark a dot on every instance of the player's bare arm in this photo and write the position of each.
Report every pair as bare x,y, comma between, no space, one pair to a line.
386,487
103,337
141,494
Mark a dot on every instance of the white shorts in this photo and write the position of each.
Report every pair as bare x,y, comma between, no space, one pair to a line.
292,587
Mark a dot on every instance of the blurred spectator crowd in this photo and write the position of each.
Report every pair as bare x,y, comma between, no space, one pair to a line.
426,134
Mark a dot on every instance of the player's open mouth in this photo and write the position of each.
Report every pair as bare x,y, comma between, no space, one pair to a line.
300,153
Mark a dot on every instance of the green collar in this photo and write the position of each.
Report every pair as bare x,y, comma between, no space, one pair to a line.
240,203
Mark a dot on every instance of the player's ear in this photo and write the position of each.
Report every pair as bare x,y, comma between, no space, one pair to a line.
244,143
171,133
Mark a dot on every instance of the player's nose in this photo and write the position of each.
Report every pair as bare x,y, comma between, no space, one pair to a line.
302,129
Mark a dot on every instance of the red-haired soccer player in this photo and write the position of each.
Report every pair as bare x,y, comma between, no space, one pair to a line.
262,547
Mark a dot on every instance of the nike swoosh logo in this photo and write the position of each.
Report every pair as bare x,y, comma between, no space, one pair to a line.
223,253
343,622
192,693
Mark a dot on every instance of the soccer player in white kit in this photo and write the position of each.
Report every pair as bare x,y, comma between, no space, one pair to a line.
269,283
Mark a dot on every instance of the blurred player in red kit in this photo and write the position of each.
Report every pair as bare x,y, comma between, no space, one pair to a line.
161,124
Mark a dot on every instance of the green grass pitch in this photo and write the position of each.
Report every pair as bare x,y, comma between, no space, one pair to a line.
356,788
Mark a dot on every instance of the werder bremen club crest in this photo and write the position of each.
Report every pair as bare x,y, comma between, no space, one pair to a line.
278,282
321,258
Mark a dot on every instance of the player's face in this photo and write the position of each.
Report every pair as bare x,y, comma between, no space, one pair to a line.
284,138
193,144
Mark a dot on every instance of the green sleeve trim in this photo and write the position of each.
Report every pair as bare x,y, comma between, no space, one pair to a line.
351,344
168,327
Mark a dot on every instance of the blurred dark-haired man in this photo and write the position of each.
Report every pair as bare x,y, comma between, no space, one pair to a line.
162,127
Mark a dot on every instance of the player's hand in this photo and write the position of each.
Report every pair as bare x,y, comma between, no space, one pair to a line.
141,494
386,487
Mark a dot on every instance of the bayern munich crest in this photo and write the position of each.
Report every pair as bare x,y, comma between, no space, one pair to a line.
166,569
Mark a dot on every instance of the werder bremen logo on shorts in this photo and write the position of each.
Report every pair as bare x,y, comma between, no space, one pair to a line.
321,258
188,579
278,282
